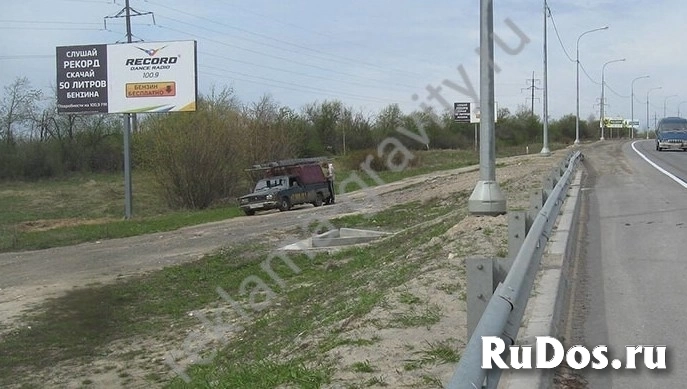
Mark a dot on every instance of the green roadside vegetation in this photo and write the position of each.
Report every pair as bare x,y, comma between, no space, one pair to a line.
89,207
327,292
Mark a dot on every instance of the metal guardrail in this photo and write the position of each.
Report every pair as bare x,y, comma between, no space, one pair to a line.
504,312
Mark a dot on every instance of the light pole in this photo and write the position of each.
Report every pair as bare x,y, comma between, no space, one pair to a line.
603,84
678,107
632,97
577,61
665,101
487,198
647,108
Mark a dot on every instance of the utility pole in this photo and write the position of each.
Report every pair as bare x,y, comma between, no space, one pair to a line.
127,12
533,87
545,148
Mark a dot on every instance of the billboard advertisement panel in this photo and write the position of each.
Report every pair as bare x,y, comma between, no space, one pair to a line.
127,78
82,79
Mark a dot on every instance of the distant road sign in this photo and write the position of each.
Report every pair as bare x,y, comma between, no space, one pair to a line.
461,112
632,123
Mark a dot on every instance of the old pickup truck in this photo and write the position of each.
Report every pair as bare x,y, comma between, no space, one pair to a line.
287,183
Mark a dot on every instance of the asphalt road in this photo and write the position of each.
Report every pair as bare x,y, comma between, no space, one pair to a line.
634,251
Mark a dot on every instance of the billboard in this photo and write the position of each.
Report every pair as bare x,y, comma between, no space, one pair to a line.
614,122
470,112
461,112
127,78
82,79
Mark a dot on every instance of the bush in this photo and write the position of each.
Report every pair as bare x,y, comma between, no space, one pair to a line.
193,156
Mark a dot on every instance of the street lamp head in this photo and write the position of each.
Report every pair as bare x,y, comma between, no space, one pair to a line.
612,61
653,89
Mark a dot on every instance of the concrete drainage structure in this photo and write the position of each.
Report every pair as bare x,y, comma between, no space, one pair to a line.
337,239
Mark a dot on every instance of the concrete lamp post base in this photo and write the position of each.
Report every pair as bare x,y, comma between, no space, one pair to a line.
487,199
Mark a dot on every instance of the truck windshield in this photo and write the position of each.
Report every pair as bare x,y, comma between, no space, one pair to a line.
269,183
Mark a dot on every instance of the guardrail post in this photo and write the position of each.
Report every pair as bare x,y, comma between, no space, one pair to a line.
536,202
517,230
548,186
480,288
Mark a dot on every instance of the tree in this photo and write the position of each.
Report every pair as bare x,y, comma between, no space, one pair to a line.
388,120
270,134
563,129
518,129
18,106
323,119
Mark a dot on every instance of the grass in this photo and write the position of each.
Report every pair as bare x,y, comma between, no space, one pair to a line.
376,381
408,298
426,318
435,353
82,325
86,208
363,367
430,382
399,216
89,207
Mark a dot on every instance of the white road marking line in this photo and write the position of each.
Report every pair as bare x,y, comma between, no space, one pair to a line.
660,169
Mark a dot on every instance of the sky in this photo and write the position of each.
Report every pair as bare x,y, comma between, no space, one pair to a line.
373,53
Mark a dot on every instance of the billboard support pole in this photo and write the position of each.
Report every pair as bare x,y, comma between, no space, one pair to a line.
476,141
128,195
128,118
128,198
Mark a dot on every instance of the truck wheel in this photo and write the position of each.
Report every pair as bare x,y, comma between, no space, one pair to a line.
249,212
318,200
285,204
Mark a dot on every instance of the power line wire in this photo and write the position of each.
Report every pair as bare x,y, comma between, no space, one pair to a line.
284,42
278,69
588,76
330,36
283,58
555,28
53,28
616,93
293,87
28,56
560,41
46,22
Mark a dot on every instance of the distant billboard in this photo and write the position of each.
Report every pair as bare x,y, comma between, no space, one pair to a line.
469,112
461,112
614,122
127,78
